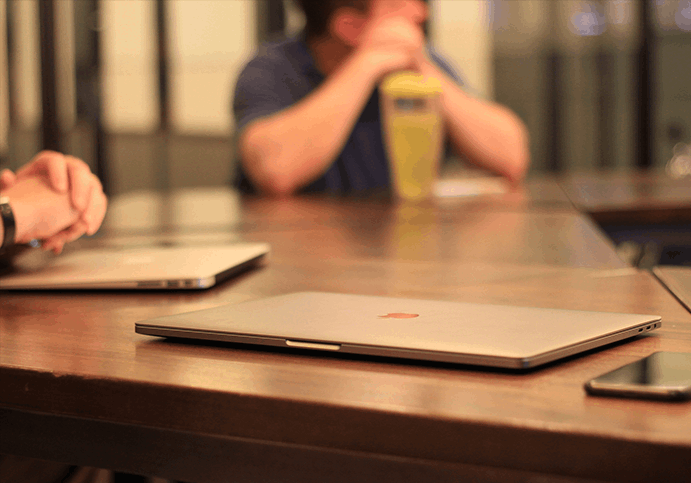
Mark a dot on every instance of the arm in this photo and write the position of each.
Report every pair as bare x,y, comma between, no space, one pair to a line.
490,135
287,150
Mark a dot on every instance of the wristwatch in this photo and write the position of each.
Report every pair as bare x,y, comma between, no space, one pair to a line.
8,224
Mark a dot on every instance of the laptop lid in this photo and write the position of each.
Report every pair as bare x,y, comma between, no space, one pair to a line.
465,333
155,267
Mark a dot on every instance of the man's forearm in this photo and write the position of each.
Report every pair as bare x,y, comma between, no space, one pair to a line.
489,135
287,150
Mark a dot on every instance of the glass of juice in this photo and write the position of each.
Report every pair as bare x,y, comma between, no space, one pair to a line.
413,131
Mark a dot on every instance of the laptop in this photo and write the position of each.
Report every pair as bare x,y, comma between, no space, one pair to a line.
463,333
152,267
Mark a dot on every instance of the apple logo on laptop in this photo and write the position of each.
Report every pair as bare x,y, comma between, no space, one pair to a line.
399,315
137,260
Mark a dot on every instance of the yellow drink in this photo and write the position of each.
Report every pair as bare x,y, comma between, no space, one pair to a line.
413,132
415,144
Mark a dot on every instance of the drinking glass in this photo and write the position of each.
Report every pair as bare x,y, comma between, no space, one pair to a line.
413,131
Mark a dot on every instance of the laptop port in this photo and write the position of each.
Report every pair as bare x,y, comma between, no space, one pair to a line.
153,284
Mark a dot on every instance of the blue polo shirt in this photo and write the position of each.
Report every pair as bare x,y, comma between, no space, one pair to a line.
283,73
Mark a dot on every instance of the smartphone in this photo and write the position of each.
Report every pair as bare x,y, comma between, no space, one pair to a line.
661,375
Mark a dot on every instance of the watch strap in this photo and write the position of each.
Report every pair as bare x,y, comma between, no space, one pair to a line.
8,223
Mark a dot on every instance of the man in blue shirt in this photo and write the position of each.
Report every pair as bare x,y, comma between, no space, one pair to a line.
307,109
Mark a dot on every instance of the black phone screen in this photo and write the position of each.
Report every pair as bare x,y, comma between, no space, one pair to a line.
665,375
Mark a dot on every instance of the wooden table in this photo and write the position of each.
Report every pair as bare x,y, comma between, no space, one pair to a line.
678,282
648,212
79,386
634,197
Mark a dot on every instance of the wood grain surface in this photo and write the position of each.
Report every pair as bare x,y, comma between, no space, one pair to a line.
78,385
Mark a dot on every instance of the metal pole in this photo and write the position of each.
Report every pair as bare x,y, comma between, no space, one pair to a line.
646,74
50,129
163,68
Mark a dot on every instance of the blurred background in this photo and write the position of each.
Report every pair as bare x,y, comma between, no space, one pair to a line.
141,89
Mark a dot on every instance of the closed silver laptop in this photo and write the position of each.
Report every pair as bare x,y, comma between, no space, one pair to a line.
464,333
154,267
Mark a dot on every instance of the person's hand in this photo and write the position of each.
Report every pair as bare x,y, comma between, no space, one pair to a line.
69,173
392,41
41,212
66,173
